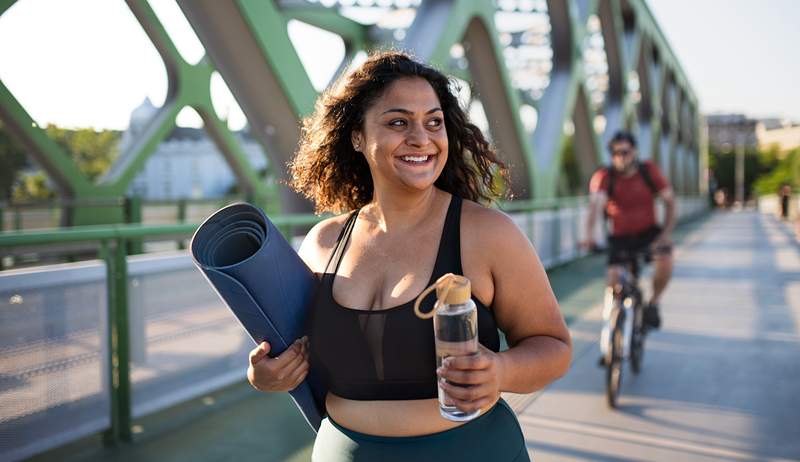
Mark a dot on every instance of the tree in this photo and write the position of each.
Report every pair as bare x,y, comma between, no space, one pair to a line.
723,166
92,151
785,171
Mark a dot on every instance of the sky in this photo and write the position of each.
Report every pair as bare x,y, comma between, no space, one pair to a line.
68,68
740,55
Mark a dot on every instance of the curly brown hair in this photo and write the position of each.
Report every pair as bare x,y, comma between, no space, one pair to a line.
327,170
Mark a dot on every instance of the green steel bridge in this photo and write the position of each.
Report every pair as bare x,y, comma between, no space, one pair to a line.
97,347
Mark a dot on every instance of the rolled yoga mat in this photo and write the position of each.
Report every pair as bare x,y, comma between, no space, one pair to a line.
264,283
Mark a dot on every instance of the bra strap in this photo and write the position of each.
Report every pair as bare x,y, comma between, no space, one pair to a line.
341,242
448,257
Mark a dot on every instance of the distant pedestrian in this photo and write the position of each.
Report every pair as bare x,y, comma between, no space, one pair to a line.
785,194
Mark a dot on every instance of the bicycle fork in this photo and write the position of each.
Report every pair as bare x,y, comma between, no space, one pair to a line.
610,309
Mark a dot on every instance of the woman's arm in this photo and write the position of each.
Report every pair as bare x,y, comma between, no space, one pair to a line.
527,312
525,309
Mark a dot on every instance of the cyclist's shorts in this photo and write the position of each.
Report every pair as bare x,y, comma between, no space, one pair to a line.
621,246
494,436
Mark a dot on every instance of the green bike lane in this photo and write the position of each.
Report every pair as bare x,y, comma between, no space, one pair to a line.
237,422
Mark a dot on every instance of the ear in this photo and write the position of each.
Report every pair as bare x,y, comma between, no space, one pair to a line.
357,139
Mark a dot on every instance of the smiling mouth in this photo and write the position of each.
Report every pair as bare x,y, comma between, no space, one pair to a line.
417,159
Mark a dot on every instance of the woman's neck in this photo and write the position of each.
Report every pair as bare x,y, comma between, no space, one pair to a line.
393,213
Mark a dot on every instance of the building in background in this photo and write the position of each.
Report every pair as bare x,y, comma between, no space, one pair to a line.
187,164
781,134
727,130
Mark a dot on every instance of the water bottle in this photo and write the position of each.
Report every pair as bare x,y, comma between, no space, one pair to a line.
455,327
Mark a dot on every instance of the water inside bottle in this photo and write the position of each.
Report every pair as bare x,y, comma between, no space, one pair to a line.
456,331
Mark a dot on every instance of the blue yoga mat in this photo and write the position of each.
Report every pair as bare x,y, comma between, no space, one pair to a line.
264,283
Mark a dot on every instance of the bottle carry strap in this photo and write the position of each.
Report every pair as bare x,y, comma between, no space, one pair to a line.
444,284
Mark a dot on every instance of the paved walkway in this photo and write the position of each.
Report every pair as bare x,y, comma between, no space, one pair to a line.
721,380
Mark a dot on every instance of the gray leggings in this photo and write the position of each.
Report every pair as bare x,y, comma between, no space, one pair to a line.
494,436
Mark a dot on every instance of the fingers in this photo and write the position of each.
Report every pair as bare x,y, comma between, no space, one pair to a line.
259,352
299,374
470,398
283,373
289,355
477,361
463,377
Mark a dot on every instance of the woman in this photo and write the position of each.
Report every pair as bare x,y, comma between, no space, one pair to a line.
390,143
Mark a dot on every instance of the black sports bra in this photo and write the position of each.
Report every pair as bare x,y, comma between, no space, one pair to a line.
386,354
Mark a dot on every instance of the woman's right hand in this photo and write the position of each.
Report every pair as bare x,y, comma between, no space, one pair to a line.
283,373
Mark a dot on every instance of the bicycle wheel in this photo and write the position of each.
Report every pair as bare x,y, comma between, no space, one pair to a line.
614,365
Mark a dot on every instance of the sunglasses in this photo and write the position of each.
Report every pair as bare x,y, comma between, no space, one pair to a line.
621,152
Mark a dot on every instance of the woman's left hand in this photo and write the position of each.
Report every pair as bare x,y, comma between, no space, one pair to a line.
472,382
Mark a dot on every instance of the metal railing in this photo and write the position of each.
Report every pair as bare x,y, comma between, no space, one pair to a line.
113,243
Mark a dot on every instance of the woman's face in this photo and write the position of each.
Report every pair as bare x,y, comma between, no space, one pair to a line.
403,137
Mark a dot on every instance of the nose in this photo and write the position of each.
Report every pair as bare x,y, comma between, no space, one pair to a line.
417,135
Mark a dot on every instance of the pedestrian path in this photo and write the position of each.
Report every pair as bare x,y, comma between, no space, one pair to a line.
721,379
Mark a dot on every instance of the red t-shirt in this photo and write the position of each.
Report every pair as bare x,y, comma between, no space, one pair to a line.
632,209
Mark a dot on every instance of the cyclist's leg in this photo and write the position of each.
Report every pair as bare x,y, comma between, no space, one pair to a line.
662,273
662,266
661,258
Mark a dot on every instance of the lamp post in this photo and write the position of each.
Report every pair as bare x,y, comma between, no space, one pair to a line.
741,139
739,169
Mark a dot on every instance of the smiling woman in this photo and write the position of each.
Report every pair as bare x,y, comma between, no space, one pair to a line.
390,144
332,172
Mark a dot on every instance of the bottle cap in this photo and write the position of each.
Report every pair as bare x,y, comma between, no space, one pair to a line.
453,289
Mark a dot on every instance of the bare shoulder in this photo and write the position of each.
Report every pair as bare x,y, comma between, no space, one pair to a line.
481,222
320,241
491,235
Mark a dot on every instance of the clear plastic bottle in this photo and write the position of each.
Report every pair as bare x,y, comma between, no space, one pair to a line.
455,324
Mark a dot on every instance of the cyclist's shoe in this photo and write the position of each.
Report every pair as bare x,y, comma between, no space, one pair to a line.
652,318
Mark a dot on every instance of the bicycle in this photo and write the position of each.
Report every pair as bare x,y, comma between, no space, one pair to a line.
624,332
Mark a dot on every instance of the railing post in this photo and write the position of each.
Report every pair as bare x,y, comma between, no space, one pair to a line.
181,219
133,209
119,343
17,219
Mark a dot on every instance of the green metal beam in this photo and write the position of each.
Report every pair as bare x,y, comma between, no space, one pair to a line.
269,29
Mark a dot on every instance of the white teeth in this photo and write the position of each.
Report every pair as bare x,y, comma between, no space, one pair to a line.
415,158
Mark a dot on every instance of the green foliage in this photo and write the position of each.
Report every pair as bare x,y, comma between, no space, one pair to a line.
723,167
570,183
765,170
32,186
12,160
92,151
786,170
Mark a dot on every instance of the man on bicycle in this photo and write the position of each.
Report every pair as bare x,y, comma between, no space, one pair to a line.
626,192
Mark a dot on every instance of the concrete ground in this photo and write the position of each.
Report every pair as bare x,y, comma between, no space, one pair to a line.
721,379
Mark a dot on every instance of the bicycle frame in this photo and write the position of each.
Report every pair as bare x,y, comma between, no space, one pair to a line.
622,336
623,298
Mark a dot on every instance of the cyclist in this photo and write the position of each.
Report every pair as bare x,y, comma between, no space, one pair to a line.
625,192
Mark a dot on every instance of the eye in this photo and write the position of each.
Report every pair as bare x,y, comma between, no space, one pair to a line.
435,123
397,123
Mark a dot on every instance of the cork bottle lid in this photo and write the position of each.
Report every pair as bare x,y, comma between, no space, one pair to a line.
453,289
